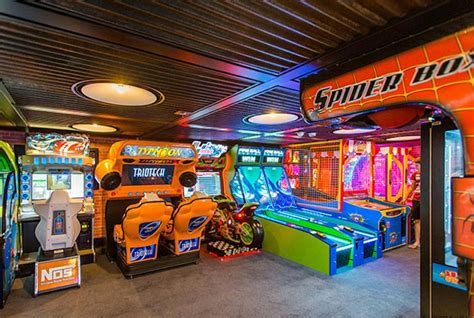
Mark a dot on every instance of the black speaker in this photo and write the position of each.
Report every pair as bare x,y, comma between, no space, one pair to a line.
111,181
188,179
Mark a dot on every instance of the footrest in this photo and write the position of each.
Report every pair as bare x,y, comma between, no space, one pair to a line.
224,249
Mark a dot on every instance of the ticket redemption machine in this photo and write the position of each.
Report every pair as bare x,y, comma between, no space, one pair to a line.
149,226
56,182
9,234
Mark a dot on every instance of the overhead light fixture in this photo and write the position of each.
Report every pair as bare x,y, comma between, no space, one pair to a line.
404,138
312,134
111,93
354,131
300,133
94,128
271,119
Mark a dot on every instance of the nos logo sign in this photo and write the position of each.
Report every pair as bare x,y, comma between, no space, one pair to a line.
57,274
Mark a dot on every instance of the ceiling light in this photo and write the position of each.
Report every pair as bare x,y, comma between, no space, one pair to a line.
404,138
271,119
354,131
94,128
117,93
312,134
300,133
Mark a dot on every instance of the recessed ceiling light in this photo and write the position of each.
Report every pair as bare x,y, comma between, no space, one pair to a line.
271,119
354,131
117,93
404,138
94,128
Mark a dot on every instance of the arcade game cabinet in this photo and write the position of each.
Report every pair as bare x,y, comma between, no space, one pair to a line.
338,182
52,163
149,226
9,234
316,241
232,231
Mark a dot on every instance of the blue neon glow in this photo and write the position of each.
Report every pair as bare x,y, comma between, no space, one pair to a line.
36,161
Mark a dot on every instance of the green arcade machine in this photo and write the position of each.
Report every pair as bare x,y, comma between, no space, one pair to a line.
257,175
9,238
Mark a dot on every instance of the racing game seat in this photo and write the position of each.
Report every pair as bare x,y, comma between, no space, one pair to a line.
188,221
138,235
58,227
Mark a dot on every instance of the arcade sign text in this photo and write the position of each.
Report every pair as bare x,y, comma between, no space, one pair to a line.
157,152
327,97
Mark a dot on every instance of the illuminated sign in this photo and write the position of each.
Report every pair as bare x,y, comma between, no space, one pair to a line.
157,152
329,97
249,155
273,156
56,274
56,144
209,149
147,175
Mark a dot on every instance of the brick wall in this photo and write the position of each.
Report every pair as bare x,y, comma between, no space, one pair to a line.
101,143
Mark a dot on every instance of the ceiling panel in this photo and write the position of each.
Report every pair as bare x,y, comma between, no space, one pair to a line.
275,100
267,35
39,66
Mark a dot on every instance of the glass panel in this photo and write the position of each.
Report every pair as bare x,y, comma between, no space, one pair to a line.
453,167
279,187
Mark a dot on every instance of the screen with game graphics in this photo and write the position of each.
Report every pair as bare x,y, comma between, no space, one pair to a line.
43,184
208,182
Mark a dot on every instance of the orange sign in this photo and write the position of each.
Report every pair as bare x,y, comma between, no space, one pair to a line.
439,73
57,274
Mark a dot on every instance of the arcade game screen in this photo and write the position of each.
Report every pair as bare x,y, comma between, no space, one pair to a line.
208,182
147,175
453,153
43,184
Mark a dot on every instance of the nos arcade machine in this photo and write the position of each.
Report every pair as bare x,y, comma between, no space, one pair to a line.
9,234
56,162
56,192
149,226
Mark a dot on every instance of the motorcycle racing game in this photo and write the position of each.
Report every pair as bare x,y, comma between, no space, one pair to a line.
9,234
232,231
318,244
149,225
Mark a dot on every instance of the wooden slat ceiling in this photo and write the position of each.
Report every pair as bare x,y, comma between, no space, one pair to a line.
269,35
47,46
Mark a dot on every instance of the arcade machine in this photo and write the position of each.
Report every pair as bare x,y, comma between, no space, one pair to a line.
392,169
291,232
340,185
9,234
232,231
149,226
56,162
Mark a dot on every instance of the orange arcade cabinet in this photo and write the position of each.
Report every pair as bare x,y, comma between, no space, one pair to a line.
149,225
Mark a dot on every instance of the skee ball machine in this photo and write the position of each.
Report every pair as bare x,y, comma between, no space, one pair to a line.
56,190
53,162
307,237
149,226
9,234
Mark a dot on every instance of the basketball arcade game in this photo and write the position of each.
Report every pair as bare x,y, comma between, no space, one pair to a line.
320,244
56,191
148,225
339,183
9,233
436,76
